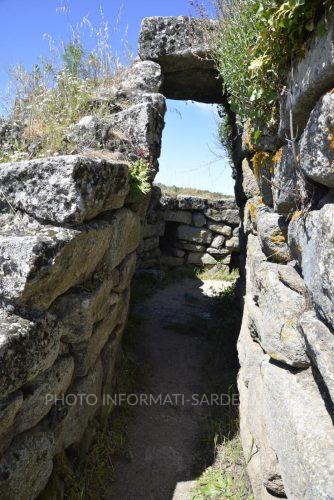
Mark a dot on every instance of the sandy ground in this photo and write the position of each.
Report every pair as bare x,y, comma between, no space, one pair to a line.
166,446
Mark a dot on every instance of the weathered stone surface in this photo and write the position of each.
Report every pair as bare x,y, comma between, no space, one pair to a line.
86,353
141,125
320,347
179,46
39,263
317,143
300,430
249,183
272,232
194,234
233,244
285,187
126,271
218,242
311,240
26,466
190,202
182,216
268,140
70,189
274,312
36,404
220,228
79,309
70,417
143,76
229,216
27,348
199,220
310,78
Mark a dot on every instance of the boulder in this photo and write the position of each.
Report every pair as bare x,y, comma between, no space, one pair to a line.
36,404
220,228
141,125
26,466
218,213
142,76
274,310
320,347
300,430
38,262
27,348
65,189
311,241
310,78
201,259
233,244
194,234
180,45
317,143
218,242
272,231
181,216
126,270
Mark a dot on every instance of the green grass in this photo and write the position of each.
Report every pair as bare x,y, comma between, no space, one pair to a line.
222,274
227,478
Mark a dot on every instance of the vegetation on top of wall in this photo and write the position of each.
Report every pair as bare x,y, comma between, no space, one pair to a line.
174,191
257,41
58,91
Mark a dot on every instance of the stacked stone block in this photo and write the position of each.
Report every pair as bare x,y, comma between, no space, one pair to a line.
70,231
287,337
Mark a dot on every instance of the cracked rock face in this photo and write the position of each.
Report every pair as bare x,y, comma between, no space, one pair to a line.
317,143
65,189
311,240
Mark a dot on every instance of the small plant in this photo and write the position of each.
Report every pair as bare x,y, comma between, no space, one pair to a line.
140,184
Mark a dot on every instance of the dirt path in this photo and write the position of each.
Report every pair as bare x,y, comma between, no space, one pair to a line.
166,441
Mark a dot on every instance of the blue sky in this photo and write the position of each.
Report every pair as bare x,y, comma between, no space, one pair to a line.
190,133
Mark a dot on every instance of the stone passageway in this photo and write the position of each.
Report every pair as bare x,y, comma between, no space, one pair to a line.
170,443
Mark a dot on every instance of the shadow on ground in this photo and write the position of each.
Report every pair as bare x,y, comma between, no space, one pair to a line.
182,337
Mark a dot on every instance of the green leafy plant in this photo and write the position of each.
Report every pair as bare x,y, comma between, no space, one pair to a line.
257,41
140,184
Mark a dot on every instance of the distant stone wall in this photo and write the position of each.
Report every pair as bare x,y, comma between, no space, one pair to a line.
187,230
286,344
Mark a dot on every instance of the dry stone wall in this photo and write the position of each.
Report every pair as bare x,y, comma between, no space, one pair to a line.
287,337
70,231
188,230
